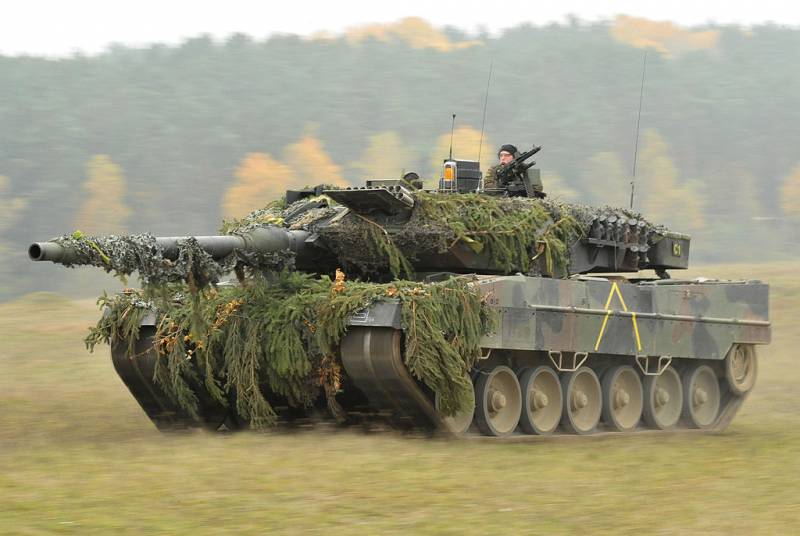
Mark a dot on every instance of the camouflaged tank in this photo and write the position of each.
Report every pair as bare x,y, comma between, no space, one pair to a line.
581,342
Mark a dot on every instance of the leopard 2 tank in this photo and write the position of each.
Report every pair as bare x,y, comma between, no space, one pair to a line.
580,341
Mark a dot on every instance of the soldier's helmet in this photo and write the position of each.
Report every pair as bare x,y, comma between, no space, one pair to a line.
511,149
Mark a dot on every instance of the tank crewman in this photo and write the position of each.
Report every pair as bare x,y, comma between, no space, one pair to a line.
506,154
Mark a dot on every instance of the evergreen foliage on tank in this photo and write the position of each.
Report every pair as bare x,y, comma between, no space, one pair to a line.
279,333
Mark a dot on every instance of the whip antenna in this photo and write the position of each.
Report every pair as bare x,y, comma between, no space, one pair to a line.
452,127
485,102
638,120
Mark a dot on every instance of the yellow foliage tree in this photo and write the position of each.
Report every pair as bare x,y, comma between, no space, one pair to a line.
466,141
560,189
741,197
311,164
666,37
414,31
663,196
260,179
790,194
605,181
104,210
385,157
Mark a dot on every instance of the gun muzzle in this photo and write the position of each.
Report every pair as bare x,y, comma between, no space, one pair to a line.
47,251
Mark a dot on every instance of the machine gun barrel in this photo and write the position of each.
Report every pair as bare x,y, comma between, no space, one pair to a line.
264,239
527,154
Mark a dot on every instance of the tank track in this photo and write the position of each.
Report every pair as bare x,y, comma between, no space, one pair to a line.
373,359
386,393
137,371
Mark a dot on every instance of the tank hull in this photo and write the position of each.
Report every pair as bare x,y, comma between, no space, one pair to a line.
594,325
684,319
613,355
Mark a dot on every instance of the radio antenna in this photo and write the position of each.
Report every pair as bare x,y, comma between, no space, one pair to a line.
485,102
452,127
638,120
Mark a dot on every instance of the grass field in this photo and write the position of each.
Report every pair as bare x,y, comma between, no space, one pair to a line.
77,456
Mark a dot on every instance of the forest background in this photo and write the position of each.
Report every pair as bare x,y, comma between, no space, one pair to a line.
172,139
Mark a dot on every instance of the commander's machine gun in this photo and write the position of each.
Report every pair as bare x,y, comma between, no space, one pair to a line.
516,179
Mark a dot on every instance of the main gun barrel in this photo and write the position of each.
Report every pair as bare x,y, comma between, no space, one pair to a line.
263,240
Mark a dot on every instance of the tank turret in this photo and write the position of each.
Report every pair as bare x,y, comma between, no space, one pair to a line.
359,228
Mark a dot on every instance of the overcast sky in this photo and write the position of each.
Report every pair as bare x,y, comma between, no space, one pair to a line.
62,27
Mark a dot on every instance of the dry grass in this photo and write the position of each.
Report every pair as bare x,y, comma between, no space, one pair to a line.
78,456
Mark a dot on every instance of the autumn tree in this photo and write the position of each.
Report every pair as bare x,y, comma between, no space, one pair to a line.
466,143
664,36
604,180
560,189
414,31
664,196
311,164
385,157
741,199
104,209
790,194
260,179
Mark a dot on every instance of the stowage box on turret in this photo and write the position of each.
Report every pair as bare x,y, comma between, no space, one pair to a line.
460,310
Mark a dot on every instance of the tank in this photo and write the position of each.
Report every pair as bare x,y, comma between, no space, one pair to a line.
459,310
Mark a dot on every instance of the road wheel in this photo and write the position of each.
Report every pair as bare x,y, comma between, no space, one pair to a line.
542,400
663,399
583,401
701,396
622,398
498,401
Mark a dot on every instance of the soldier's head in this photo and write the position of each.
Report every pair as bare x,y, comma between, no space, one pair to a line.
506,153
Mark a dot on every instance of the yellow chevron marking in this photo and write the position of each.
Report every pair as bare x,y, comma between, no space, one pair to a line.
636,331
615,290
602,329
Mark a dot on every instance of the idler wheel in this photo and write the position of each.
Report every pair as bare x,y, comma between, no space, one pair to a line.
663,400
701,396
582,401
542,400
741,368
622,398
498,401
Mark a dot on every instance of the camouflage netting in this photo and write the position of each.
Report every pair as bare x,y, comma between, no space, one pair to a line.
279,335
513,232
126,254
516,234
